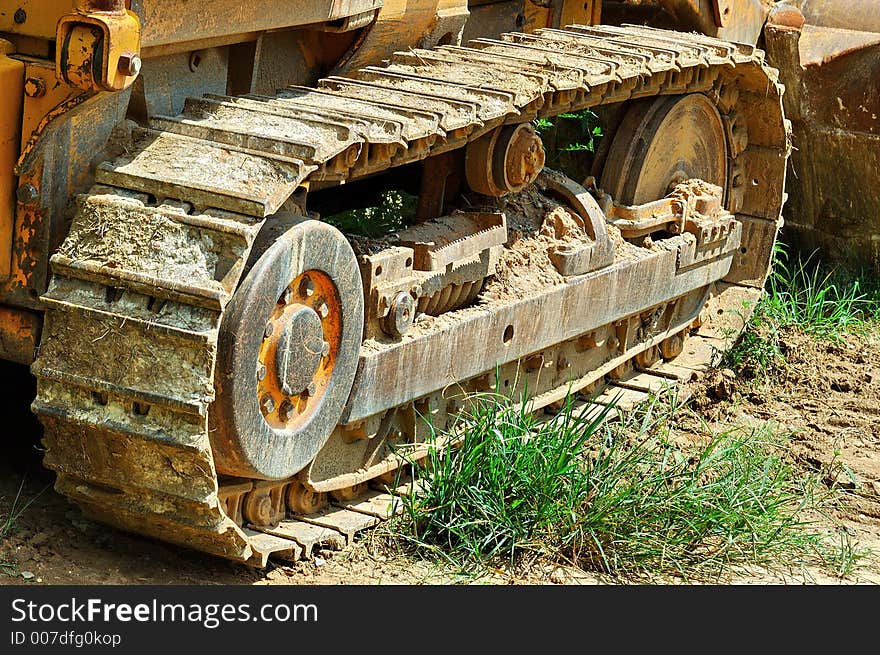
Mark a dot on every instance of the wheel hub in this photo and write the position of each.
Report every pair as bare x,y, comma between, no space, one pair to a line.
299,350
287,351
297,354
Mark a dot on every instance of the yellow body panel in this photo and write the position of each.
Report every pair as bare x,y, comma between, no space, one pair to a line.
12,83
40,17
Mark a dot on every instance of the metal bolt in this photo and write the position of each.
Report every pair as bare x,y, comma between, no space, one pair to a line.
129,64
195,60
269,330
20,16
27,193
325,349
268,404
286,295
264,510
261,372
306,287
286,410
34,87
323,310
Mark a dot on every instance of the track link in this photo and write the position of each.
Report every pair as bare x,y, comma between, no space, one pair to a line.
159,245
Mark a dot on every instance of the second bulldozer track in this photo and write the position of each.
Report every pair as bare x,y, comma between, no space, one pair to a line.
159,244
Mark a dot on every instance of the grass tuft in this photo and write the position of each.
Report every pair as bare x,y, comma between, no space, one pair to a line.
617,499
10,516
393,211
802,294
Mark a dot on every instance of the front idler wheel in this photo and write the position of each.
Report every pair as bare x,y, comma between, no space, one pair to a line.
288,352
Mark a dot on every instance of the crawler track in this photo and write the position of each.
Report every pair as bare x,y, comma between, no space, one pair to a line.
159,245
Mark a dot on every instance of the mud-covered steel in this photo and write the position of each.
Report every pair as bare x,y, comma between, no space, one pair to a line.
126,367
250,438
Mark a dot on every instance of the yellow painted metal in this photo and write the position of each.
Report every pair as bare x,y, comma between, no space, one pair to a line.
90,46
406,24
40,110
19,332
571,12
12,84
580,12
40,17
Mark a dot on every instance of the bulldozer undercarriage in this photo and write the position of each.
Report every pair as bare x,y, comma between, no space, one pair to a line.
222,370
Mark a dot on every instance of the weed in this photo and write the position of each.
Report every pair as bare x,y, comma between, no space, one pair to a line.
801,293
804,295
395,208
7,521
11,516
571,140
618,498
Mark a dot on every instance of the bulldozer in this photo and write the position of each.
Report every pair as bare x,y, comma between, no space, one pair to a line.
215,352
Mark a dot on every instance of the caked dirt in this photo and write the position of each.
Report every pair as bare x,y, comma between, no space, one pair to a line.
827,398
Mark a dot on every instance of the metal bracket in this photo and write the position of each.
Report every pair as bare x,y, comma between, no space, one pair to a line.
98,50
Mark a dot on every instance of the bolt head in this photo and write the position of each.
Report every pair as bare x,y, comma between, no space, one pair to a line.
27,193
34,87
264,509
285,411
129,64
268,404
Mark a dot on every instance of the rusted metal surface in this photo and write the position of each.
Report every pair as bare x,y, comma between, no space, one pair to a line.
504,161
170,21
12,81
404,24
157,283
740,21
576,257
862,15
19,334
662,143
831,66
55,163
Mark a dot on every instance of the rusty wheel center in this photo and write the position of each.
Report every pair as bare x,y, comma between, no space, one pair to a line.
298,352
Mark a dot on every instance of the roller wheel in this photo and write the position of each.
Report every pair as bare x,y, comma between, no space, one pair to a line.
287,354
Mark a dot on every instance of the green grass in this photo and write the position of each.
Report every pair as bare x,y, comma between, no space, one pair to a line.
9,517
392,212
802,294
823,302
617,497
570,140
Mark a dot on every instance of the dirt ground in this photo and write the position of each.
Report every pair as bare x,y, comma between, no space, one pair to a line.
828,397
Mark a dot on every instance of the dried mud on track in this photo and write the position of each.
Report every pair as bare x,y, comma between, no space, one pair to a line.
828,397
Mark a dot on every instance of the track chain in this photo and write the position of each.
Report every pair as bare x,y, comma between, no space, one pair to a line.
159,244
